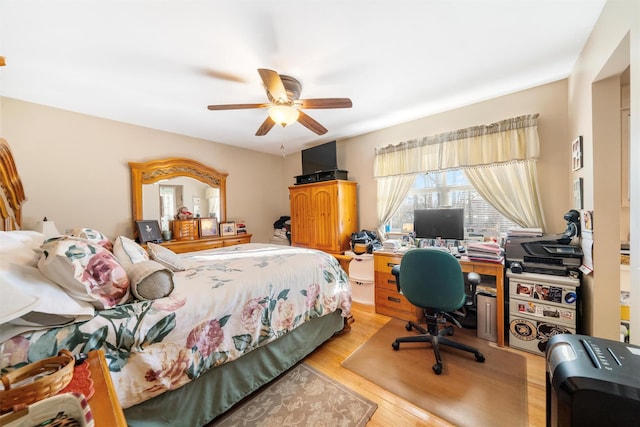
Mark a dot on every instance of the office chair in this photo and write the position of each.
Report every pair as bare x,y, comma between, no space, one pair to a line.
432,279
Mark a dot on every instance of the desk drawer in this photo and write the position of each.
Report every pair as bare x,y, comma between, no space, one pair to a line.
488,270
393,304
384,263
386,281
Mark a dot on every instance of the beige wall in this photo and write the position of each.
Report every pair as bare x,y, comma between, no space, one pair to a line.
356,154
75,169
594,105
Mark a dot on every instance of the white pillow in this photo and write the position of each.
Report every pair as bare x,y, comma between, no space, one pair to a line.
20,247
128,252
50,305
166,257
87,272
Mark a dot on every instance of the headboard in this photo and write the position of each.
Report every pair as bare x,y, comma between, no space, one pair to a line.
12,196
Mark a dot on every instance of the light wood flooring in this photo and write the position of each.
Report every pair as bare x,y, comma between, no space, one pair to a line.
393,410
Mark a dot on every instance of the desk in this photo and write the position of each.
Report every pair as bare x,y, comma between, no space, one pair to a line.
389,302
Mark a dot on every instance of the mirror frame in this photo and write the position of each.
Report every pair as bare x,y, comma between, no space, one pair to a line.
173,167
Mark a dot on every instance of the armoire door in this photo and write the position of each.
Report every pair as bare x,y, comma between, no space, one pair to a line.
323,202
302,218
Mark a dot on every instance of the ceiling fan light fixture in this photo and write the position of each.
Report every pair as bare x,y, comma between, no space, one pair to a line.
284,114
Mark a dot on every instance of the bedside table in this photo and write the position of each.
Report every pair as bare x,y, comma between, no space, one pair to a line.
104,403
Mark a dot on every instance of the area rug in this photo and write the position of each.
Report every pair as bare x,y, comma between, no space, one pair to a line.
467,393
301,397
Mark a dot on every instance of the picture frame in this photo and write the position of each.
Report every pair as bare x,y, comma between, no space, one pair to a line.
577,193
227,228
148,231
208,227
576,154
588,221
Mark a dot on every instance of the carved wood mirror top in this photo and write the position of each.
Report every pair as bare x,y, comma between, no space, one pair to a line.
175,167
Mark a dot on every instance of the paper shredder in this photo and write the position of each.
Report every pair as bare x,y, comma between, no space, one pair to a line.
592,382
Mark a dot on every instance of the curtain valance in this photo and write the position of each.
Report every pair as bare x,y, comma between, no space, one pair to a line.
505,141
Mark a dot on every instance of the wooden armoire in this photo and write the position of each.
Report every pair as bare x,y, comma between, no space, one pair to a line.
323,215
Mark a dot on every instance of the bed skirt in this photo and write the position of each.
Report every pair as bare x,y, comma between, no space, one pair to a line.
200,401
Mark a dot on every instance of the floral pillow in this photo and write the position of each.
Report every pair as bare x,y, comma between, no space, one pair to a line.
128,252
86,271
93,236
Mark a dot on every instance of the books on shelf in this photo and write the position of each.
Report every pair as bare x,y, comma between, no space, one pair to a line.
241,227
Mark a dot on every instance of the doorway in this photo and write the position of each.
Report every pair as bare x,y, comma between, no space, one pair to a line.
170,198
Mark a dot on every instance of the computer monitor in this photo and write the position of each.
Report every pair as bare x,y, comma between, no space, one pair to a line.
445,223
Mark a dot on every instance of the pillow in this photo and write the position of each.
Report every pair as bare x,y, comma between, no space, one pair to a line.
128,252
93,236
36,302
87,272
150,280
166,257
20,247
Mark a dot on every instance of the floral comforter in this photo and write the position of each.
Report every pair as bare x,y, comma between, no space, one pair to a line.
229,302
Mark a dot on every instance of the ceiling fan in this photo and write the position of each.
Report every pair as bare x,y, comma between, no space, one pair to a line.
284,104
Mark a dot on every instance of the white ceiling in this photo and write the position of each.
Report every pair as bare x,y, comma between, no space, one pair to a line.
159,64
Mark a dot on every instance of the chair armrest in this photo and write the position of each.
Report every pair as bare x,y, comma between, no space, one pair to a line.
395,270
474,281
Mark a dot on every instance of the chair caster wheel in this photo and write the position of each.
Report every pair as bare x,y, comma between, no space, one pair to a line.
437,368
408,327
395,345
479,357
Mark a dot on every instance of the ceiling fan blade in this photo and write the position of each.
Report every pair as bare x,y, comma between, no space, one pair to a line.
326,103
236,106
311,124
265,127
273,84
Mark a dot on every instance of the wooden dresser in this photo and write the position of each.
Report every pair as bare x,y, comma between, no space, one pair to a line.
181,246
323,215
390,302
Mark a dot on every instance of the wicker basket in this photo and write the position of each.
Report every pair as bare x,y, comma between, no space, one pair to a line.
56,373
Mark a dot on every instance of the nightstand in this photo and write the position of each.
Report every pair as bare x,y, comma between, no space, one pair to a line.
104,403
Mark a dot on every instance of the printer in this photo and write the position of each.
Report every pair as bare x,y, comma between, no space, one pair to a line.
551,254
543,255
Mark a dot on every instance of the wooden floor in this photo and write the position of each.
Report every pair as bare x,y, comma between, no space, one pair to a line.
393,410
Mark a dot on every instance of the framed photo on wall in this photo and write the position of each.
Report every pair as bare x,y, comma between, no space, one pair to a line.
577,193
208,227
576,153
148,231
228,229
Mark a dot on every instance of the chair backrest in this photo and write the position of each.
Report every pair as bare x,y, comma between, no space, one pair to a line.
432,278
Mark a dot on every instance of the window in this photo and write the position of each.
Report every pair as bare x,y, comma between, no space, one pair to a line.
451,188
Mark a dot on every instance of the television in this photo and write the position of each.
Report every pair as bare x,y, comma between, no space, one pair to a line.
319,158
445,223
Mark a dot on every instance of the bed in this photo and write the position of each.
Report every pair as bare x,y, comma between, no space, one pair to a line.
215,326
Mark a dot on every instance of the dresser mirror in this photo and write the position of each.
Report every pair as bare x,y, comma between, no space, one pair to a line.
160,187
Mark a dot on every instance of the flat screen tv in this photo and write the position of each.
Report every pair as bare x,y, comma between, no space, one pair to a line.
445,223
319,158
